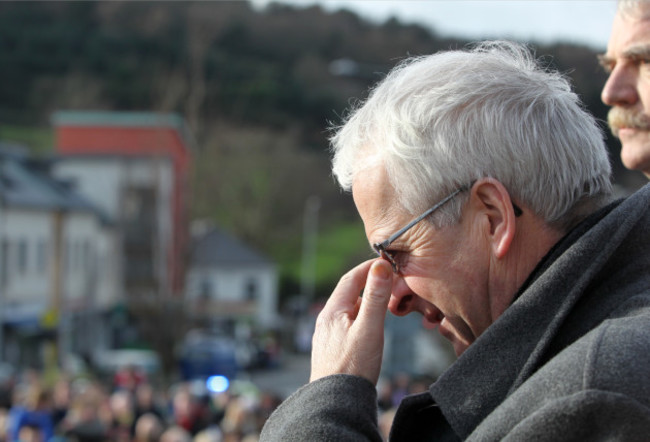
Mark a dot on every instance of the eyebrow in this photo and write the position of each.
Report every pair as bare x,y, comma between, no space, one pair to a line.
637,51
633,52
604,60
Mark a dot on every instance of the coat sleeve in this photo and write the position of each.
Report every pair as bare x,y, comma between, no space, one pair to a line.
338,407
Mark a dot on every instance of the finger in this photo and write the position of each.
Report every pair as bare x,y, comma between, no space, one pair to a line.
376,295
346,293
355,311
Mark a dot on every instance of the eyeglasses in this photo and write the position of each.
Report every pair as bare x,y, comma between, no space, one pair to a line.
381,247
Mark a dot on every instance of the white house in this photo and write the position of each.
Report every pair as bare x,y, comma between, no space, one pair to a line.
229,279
57,268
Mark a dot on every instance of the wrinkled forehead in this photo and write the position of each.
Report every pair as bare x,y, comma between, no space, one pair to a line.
374,196
633,9
630,35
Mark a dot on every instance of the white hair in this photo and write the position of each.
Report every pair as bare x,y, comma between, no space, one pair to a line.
636,9
442,121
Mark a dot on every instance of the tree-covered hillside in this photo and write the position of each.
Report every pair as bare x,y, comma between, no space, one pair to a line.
258,89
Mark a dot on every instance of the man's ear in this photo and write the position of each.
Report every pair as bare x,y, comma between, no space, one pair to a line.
491,201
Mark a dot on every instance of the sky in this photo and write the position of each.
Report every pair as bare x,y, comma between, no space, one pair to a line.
585,22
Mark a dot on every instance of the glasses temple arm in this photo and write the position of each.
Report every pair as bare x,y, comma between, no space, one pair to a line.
401,231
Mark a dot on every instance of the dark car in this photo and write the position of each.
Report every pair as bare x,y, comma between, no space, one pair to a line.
203,356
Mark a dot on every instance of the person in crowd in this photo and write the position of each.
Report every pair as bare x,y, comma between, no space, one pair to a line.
35,415
240,419
148,428
128,378
61,396
30,432
92,410
88,418
401,383
385,422
176,434
485,190
384,394
123,415
266,404
189,411
145,402
7,384
212,434
627,89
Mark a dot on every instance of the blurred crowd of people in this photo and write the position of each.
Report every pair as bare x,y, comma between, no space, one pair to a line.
128,408
390,392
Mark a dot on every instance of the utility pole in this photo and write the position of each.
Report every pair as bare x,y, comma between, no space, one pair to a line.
3,283
57,301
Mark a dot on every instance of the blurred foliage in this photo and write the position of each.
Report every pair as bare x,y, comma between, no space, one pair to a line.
339,248
38,140
258,89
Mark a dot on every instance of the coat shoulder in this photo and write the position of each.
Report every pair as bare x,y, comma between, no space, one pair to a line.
618,357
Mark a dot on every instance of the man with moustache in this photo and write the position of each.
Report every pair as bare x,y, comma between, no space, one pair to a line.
628,87
484,188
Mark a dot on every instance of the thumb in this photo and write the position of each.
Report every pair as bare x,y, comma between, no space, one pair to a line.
376,295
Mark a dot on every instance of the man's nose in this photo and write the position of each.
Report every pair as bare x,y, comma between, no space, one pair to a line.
620,88
402,301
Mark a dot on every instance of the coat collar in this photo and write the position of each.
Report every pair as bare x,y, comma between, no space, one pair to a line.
517,344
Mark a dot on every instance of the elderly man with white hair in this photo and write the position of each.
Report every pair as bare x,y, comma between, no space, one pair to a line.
484,188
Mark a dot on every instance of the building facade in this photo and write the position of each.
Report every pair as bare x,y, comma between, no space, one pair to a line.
52,245
228,279
134,165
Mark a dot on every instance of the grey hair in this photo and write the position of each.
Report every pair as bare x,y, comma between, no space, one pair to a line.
440,122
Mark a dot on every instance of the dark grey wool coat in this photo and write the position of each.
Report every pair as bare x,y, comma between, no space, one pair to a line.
569,360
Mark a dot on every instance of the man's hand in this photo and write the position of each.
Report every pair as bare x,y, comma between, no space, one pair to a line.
349,335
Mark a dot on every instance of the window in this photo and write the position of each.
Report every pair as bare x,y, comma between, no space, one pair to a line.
41,256
79,255
88,258
5,260
68,252
251,290
206,289
22,257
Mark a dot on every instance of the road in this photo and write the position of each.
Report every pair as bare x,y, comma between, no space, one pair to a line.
284,380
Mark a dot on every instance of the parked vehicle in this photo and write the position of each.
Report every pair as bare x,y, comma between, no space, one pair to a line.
202,356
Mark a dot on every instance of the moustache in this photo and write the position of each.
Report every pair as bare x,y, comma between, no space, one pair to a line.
619,118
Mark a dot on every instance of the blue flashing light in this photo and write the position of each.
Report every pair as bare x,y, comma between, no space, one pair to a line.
217,384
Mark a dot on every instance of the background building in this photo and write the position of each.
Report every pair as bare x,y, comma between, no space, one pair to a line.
94,246
58,269
228,279
134,166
